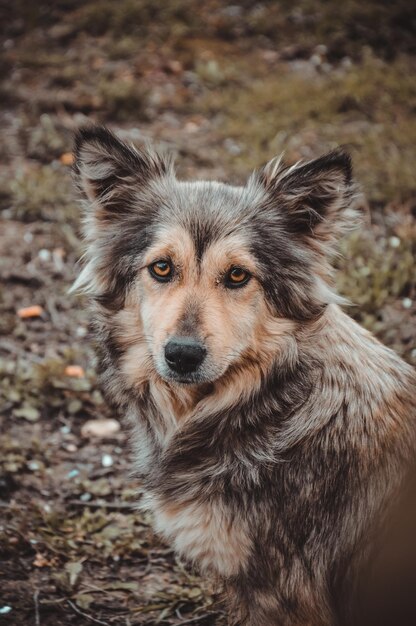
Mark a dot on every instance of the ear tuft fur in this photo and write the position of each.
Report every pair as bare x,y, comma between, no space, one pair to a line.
103,164
318,199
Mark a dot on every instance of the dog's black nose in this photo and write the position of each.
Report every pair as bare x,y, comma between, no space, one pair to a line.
184,355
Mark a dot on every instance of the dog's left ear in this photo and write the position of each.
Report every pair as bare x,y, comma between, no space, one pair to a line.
316,199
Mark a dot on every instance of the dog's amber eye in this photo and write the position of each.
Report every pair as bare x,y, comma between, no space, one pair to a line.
161,270
237,277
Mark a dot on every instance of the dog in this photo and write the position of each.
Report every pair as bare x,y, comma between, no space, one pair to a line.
271,432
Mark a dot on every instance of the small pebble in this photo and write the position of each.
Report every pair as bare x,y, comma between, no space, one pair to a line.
407,303
85,497
107,460
232,146
103,428
73,474
4,610
394,242
44,255
33,465
74,371
30,311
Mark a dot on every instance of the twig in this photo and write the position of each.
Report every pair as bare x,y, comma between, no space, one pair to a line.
98,504
196,619
36,601
53,312
93,619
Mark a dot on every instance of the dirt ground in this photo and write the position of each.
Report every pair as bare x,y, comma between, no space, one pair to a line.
225,88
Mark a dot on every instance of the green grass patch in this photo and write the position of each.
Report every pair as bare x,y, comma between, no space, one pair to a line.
370,108
43,192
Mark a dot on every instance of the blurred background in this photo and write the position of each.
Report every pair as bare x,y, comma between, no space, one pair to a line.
225,87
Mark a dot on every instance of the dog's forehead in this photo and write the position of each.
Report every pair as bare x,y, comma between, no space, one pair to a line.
208,198
208,211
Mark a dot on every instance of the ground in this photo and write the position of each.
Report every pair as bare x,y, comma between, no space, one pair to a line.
225,88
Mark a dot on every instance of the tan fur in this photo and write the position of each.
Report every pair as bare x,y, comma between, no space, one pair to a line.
204,533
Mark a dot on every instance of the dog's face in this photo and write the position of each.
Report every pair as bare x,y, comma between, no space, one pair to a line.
200,309
202,277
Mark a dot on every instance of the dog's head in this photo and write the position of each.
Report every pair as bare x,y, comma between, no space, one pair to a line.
198,277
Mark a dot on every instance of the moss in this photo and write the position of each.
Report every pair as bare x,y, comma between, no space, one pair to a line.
134,17
122,99
374,272
41,193
47,140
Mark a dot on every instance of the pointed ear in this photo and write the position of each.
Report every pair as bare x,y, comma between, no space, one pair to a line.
115,178
316,199
108,171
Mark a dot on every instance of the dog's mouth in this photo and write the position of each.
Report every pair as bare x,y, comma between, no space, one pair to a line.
195,378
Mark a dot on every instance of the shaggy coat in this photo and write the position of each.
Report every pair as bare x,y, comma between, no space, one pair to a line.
276,465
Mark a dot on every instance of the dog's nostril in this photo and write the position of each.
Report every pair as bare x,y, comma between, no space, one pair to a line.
184,355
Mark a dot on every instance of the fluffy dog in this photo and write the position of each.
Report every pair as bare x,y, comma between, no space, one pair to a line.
272,433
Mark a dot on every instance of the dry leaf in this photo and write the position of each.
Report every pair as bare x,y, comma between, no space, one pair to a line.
30,311
75,371
40,560
67,158
102,428
73,571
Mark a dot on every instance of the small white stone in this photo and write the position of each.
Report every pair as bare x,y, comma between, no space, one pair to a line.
316,60
321,49
44,255
4,610
407,303
394,242
107,460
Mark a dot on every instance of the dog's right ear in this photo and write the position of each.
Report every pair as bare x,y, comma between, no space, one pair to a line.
109,172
